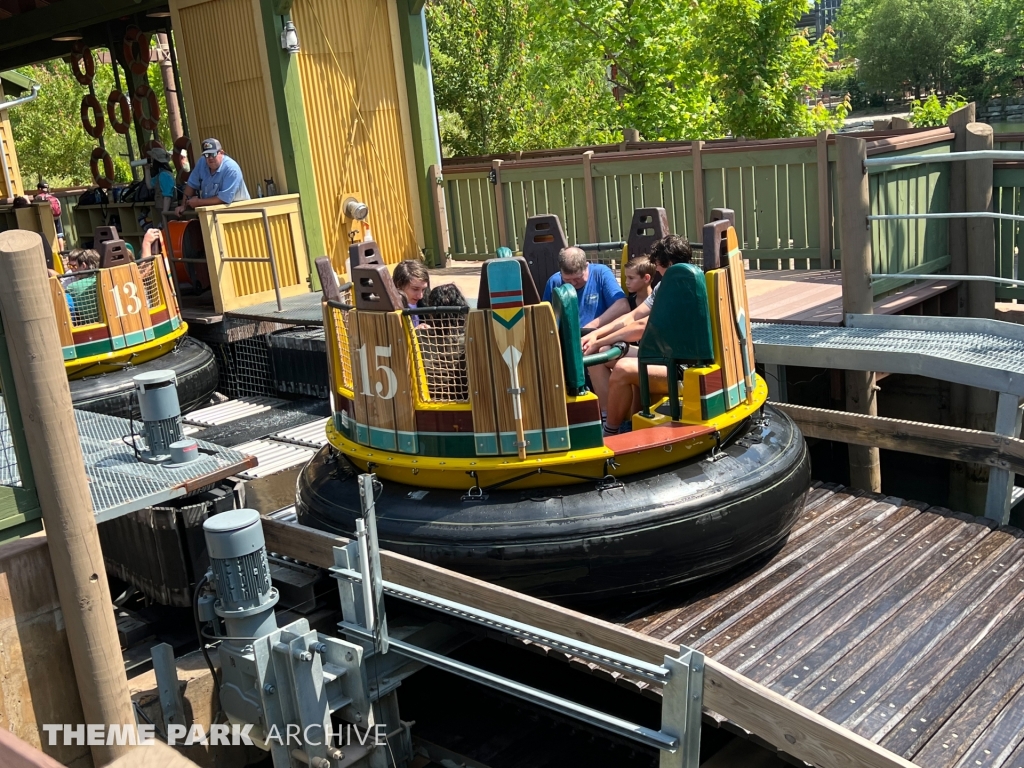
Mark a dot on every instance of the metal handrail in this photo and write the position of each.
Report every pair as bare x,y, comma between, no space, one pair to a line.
952,157
252,259
950,215
940,276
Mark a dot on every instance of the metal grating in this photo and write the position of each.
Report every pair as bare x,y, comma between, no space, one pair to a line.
244,367
984,353
119,483
232,410
312,435
303,309
273,457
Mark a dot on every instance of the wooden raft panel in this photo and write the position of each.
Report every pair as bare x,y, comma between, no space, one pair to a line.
382,395
724,334
533,425
900,622
551,377
63,315
481,392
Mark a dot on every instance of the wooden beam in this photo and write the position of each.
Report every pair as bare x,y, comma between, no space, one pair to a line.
935,440
784,724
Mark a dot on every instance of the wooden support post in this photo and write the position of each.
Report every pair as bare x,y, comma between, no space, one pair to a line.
499,204
958,122
900,122
855,236
698,186
824,204
62,487
981,297
588,192
436,185
1000,481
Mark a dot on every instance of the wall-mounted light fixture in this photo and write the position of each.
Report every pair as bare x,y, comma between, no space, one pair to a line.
355,209
159,14
67,37
290,37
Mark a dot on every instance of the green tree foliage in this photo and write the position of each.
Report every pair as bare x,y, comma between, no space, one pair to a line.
991,60
765,72
522,74
932,113
904,43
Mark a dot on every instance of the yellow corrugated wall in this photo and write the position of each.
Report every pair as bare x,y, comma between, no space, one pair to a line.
10,156
221,53
351,98
248,238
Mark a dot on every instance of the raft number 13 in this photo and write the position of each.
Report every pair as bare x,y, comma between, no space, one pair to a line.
364,372
131,293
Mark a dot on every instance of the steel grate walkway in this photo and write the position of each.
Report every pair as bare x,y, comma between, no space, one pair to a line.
987,354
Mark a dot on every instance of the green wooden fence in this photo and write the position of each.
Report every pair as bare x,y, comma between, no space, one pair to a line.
784,201
19,507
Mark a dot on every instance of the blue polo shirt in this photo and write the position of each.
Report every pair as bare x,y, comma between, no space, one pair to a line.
227,183
601,291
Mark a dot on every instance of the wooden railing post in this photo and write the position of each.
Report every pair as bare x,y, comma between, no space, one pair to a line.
824,200
436,185
499,204
855,234
981,297
698,186
62,486
588,192
957,123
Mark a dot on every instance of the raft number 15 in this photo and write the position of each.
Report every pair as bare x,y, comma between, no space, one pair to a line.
364,372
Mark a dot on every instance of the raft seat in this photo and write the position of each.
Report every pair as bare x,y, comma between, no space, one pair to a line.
654,437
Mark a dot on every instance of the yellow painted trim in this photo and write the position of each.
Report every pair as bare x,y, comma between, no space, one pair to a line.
139,353
723,422
421,406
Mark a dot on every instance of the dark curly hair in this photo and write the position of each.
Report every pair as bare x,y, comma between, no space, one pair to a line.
671,249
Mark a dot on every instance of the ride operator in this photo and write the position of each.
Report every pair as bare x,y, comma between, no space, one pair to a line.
215,181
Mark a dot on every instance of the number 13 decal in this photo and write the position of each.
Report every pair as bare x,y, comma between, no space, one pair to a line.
131,294
364,371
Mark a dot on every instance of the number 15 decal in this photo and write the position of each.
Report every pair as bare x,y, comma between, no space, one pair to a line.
364,371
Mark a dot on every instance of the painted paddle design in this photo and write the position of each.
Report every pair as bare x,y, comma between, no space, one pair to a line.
737,287
508,321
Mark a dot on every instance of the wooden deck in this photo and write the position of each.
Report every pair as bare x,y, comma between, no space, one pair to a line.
902,623
815,297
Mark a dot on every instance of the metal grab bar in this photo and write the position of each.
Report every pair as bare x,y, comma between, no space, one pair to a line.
270,247
951,215
952,157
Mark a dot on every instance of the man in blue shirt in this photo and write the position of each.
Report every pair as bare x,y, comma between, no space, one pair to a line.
216,180
599,294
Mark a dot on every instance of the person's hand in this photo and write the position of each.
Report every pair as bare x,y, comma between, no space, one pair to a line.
178,210
589,343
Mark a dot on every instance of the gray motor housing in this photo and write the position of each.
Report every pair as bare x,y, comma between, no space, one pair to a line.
157,392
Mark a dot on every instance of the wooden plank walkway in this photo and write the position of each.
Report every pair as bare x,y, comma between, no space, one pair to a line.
900,622
815,297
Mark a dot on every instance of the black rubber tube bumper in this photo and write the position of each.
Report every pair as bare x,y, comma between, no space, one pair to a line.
584,542
114,393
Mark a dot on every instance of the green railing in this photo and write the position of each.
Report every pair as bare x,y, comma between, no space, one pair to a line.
1008,197
784,200
19,506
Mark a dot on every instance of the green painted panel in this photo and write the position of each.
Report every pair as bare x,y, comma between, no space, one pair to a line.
542,173
767,156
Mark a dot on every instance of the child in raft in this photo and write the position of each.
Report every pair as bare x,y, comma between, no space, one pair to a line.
412,280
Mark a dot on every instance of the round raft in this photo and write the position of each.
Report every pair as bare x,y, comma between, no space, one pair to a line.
114,393
643,533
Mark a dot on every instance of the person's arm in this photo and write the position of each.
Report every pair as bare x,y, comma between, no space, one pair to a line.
152,235
618,309
188,194
607,335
